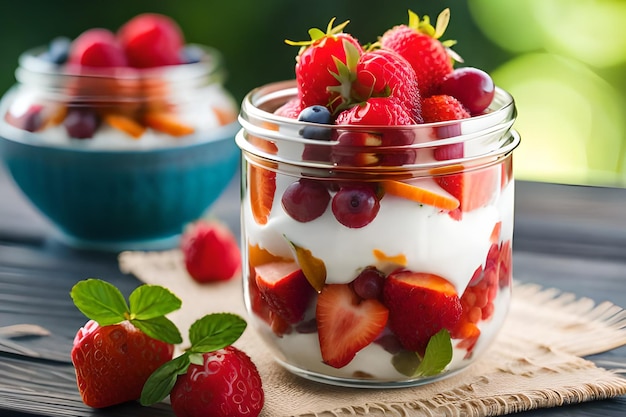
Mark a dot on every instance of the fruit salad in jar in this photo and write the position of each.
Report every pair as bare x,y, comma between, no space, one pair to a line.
377,208
140,87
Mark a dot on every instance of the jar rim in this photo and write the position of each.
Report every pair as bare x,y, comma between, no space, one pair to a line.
490,135
34,70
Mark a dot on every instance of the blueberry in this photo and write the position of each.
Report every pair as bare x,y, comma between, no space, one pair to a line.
58,50
191,54
318,115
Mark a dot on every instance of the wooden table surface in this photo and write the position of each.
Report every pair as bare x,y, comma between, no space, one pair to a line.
569,237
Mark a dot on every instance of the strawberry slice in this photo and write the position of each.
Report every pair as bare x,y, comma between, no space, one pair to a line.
473,189
420,305
285,289
346,323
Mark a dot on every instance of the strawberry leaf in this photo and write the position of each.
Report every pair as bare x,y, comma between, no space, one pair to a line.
160,383
100,301
150,301
215,331
437,356
160,328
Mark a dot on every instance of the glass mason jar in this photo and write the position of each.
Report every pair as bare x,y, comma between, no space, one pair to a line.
376,265
120,158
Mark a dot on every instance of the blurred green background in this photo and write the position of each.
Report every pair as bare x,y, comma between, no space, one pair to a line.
564,61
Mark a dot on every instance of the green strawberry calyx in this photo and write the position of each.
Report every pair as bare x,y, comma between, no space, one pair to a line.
317,34
146,307
436,32
207,334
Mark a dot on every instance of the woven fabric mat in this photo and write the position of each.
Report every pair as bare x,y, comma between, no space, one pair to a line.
534,363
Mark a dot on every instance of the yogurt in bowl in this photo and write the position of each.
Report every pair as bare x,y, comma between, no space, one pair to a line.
120,144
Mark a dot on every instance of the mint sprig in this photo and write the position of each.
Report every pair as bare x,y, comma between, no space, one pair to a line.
437,356
148,304
210,333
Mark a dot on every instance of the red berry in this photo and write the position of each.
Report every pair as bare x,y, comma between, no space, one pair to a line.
346,323
81,122
285,289
210,251
384,73
97,48
113,362
355,207
418,42
369,283
227,384
471,86
317,63
152,40
442,108
290,109
305,200
420,305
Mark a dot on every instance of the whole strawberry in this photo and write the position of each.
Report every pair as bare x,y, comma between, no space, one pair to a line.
322,66
418,42
123,344
211,377
210,251
384,73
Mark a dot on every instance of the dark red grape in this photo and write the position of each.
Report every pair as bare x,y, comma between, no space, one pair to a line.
81,123
474,88
369,283
355,207
305,200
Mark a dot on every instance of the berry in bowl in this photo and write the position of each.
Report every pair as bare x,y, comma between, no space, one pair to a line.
120,139
377,209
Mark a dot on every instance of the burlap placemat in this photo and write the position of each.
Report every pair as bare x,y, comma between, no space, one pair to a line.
535,362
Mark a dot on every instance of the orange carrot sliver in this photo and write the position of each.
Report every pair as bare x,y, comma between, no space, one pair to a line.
420,195
167,123
125,124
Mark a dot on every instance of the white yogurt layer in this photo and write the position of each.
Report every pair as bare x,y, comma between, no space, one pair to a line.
430,240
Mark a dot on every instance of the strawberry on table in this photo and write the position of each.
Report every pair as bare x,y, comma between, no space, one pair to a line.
346,323
420,305
210,251
211,377
418,42
122,344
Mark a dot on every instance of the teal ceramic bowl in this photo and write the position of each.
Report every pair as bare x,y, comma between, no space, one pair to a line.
107,199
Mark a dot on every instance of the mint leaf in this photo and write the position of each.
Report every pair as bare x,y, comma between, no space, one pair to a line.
160,383
100,301
160,328
150,301
437,356
215,331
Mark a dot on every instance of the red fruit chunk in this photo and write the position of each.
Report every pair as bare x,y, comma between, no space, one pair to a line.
290,109
346,324
420,305
384,73
305,200
31,120
355,206
473,189
97,48
440,108
285,288
317,65
152,40
227,384
210,251
418,42
471,86
113,362
369,283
